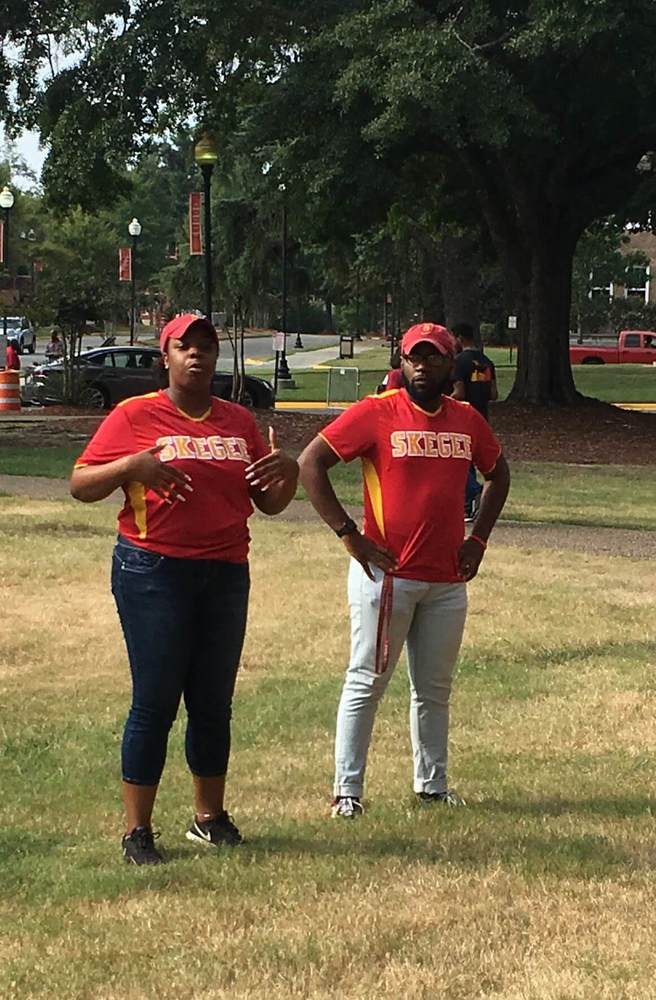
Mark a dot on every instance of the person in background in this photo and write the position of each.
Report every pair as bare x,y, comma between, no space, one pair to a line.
54,347
13,357
191,466
475,382
394,377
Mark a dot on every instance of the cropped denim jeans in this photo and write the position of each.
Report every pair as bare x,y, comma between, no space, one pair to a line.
184,622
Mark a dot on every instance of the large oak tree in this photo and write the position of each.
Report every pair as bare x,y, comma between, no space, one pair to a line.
540,109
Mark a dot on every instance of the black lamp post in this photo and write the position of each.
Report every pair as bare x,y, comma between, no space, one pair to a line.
6,204
134,229
206,156
283,367
298,343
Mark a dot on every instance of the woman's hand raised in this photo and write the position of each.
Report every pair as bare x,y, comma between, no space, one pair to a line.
275,468
160,477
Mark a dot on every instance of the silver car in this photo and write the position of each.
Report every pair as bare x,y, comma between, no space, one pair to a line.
19,328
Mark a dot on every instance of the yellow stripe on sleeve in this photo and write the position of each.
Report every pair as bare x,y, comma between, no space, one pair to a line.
131,399
385,394
331,446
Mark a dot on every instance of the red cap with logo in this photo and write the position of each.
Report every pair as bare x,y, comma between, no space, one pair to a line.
176,328
434,334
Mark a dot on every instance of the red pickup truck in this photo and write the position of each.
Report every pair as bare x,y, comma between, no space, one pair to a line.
634,347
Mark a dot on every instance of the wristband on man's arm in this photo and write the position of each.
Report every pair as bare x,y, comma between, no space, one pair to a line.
481,541
348,528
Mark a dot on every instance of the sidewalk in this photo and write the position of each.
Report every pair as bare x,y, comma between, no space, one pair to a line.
302,360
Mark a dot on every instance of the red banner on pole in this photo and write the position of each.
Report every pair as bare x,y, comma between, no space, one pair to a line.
125,264
195,233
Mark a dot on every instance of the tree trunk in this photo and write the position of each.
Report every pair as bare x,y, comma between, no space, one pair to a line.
544,374
534,230
461,280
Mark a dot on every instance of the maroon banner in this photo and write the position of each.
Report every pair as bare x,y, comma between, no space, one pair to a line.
195,233
125,264
2,242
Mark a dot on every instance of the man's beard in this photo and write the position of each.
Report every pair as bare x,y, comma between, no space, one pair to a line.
427,393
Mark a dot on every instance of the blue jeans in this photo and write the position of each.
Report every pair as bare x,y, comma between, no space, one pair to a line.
472,487
184,622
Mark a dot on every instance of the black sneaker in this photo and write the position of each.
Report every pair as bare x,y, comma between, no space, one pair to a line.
448,798
215,832
346,807
139,847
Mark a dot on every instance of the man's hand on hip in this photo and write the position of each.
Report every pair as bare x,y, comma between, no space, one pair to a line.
470,555
367,552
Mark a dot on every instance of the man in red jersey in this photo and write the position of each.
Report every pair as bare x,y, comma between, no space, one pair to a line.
410,565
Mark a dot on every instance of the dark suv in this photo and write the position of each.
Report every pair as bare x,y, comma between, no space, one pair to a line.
111,374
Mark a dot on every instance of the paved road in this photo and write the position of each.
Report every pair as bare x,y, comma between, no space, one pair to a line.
257,350
38,358
258,353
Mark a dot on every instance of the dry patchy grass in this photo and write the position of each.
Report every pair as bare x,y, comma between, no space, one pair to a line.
543,889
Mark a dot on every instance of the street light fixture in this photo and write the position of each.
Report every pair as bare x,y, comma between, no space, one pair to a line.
284,373
206,156
6,204
134,229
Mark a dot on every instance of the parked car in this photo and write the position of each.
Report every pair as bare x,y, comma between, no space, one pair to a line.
111,374
19,328
633,347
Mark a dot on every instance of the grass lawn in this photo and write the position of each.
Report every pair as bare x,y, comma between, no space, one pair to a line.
542,889
610,496
55,462
607,496
311,386
611,383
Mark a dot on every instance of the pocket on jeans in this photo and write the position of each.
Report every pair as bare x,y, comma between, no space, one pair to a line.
134,560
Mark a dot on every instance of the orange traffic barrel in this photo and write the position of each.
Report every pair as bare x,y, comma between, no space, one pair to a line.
9,391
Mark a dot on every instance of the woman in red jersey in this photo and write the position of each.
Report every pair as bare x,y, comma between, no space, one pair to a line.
190,465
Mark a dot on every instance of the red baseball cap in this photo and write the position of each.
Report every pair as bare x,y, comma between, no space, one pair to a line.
176,328
436,335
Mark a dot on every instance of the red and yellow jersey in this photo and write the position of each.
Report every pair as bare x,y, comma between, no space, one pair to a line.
214,450
415,466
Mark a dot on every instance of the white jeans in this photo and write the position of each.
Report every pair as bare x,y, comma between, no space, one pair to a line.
430,617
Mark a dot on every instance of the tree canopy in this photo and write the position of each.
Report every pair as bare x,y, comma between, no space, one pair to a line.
518,123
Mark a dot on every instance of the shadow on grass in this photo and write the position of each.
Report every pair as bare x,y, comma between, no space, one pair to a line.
570,654
583,855
37,867
556,656
617,807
